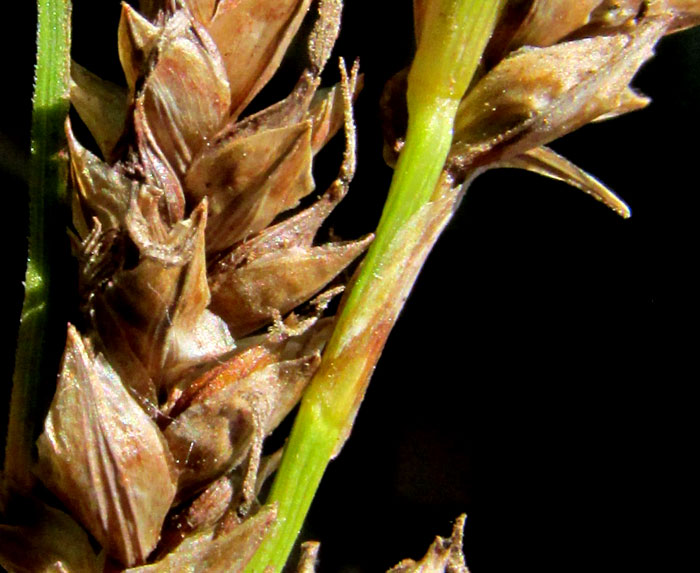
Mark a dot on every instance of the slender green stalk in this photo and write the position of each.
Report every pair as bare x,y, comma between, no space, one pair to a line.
47,186
454,34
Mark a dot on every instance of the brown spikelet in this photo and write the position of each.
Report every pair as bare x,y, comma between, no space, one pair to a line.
550,68
153,441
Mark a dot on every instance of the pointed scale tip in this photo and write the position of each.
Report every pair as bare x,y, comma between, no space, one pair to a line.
546,162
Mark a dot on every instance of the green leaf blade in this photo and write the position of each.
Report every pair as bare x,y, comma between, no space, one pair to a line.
47,190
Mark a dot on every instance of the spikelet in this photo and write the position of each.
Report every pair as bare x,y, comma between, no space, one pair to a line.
551,67
153,441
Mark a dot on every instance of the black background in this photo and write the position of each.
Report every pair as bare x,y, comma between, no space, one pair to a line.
539,377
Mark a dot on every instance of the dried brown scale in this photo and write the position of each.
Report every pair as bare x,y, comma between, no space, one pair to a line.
309,556
443,556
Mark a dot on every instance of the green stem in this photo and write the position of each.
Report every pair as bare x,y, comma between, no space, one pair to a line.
47,186
454,34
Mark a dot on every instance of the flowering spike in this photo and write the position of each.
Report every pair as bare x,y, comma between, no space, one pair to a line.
184,186
546,89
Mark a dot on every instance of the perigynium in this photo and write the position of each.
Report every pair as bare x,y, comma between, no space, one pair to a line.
194,257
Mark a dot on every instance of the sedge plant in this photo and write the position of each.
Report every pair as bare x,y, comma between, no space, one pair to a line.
202,285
